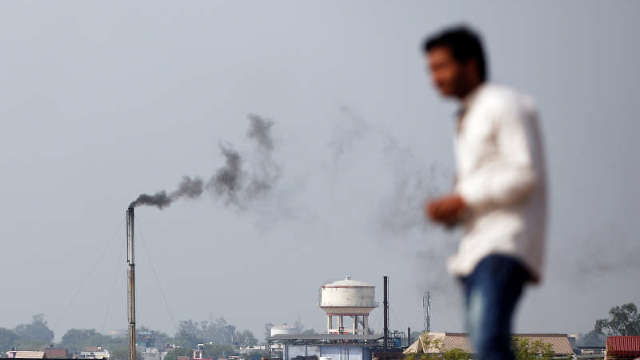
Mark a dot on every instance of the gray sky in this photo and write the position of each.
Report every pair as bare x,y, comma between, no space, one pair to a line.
101,101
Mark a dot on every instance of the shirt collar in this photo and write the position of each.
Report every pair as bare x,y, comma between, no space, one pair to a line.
466,104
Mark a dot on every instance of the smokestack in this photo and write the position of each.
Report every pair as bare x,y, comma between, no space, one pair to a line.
132,283
386,312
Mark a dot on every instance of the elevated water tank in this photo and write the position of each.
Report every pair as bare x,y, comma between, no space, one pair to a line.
348,297
283,329
351,299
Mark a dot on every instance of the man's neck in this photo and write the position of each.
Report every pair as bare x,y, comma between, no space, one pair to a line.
467,98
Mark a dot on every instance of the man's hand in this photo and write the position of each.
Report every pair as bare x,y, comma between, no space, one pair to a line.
446,210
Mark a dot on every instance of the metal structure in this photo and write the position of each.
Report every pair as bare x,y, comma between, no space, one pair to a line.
332,346
349,298
132,284
386,312
426,307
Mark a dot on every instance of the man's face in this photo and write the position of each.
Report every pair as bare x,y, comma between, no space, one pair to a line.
447,74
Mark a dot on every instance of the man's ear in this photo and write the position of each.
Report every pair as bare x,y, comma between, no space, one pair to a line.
472,69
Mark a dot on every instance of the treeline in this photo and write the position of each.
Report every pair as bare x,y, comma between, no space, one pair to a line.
26,336
219,336
190,333
623,320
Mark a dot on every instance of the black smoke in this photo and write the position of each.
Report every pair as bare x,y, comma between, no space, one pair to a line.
260,130
227,181
188,187
232,182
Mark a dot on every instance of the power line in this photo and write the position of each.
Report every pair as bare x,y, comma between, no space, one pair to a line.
157,278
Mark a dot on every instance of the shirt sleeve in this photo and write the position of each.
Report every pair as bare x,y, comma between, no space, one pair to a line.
510,174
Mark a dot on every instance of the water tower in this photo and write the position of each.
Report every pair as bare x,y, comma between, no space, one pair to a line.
350,298
283,329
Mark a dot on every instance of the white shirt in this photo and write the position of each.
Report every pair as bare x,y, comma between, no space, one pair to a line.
501,177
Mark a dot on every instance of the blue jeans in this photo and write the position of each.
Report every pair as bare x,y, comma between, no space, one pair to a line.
491,293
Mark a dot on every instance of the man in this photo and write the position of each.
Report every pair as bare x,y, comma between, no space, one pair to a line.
499,197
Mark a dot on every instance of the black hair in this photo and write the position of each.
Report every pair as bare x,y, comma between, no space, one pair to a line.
464,43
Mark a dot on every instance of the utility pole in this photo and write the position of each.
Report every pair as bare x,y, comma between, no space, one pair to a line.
386,312
132,285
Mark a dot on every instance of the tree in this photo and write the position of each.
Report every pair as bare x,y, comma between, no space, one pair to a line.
122,353
623,320
524,349
179,351
8,339
592,339
36,334
456,354
76,339
256,355
246,338
191,333
218,351
152,338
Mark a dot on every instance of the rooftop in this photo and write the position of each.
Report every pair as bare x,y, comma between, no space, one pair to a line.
559,342
347,282
626,346
321,338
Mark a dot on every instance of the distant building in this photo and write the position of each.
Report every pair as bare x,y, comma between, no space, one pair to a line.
55,353
334,346
591,345
439,342
249,349
623,347
94,352
150,353
198,354
25,354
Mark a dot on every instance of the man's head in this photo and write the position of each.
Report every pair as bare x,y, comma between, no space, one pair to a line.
456,61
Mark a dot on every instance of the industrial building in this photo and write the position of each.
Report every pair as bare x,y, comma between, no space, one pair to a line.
347,304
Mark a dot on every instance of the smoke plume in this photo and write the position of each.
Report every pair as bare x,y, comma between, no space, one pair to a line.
188,187
260,130
227,180
231,182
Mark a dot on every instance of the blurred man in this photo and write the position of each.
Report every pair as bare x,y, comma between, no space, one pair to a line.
499,196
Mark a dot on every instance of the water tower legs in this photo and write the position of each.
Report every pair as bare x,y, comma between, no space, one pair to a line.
360,324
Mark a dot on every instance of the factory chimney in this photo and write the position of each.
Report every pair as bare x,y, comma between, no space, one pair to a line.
132,284
386,312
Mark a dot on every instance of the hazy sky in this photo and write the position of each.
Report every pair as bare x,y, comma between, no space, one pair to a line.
101,101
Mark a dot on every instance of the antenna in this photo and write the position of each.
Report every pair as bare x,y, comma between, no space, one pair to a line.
426,307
